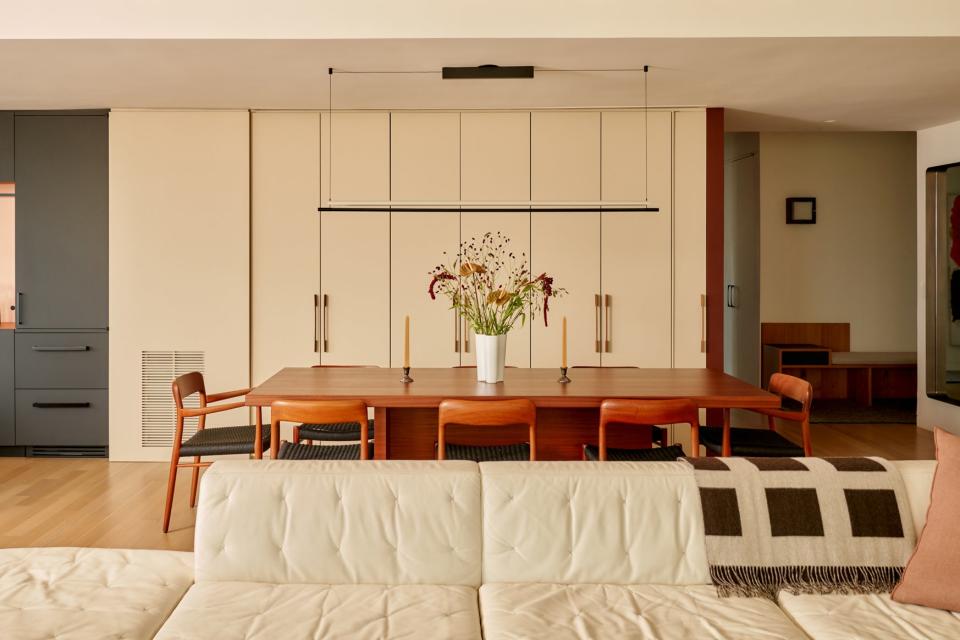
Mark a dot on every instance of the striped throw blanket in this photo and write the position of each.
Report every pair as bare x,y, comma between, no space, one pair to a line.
804,525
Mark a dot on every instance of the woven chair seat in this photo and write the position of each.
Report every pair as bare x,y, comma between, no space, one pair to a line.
492,453
215,441
335,431
759,443
291,451
664,454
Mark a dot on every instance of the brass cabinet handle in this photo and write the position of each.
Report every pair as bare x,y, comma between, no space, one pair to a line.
703,323
316,322
326,323
466,337
456,332
608,303
596,332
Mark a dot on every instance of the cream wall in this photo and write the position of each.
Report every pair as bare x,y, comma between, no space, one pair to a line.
179,255
853,265
935,146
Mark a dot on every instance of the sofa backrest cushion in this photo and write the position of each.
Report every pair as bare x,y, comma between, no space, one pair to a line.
339,522
918,479
588,522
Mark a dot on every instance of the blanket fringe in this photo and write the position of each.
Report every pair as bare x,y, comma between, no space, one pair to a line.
767,582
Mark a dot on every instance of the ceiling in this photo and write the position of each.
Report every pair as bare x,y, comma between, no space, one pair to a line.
767,84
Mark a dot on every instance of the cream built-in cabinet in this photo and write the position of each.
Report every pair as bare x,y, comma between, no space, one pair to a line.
634,280
354,299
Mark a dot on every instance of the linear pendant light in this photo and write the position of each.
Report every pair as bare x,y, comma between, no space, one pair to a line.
486,71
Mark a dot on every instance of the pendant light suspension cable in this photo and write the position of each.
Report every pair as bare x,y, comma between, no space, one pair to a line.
329,135
646,139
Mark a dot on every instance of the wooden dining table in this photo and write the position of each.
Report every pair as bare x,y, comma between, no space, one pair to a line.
405,414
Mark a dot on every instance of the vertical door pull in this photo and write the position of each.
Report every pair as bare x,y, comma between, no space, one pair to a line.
19,308
596,331
316,322
466,336
703,323
326,323
456,332
608,304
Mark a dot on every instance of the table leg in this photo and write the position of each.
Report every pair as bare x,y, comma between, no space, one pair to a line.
258,435
274,440
726,433
380,433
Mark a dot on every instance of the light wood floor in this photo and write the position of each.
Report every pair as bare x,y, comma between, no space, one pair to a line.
95,503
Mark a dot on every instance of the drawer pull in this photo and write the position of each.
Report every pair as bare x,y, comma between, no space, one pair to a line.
79,347
61,405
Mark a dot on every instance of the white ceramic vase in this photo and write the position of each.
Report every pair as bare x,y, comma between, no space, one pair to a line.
491,354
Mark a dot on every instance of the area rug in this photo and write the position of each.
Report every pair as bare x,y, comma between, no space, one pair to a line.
849,412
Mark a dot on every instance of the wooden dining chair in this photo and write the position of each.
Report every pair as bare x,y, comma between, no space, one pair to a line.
322,412
207,441
333,431
658,434
642,413
796,398
487,414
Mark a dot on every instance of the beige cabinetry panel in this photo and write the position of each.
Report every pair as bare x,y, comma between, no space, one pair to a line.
636,248
418,241
425,152
565,166
495,167
285,247
690,233
355,247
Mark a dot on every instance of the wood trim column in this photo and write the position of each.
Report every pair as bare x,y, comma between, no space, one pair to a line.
715,282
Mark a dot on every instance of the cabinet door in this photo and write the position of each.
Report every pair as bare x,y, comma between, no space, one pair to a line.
425,153
354,247
7,406
6,146
417,242
690,239
636,247
61,175
285,241
495,167
565,166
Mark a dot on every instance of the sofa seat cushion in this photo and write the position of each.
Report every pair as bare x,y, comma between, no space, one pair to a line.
77,594
561,612
868,617
258,611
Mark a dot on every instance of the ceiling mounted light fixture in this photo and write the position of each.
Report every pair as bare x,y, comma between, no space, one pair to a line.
486,72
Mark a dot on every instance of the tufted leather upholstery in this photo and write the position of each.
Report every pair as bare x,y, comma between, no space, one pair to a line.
640,612
917,479
89,594
310,611
584,522
339,522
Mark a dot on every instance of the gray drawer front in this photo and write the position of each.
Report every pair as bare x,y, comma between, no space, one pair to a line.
61,360
62,417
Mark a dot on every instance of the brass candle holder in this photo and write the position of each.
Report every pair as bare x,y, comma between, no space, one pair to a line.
405,378
563,376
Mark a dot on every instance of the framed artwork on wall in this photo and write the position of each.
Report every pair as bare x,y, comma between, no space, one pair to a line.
802,210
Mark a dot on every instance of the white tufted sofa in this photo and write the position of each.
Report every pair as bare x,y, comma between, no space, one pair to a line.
426,550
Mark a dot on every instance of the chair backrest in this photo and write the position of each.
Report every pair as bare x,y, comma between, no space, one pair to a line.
797,389
186,385
487,413
345,366
321,412
645,412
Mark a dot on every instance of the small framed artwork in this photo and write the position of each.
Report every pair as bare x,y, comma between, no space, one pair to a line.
801,211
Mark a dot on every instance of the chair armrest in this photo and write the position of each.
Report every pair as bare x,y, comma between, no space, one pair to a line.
202,411
225,395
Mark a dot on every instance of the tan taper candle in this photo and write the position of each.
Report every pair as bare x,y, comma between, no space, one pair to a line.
406,341
564,364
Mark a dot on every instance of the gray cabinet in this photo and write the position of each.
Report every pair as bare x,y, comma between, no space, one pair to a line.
7,412
61,218
6,146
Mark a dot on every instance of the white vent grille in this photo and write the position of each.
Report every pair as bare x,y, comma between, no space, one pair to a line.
158,415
